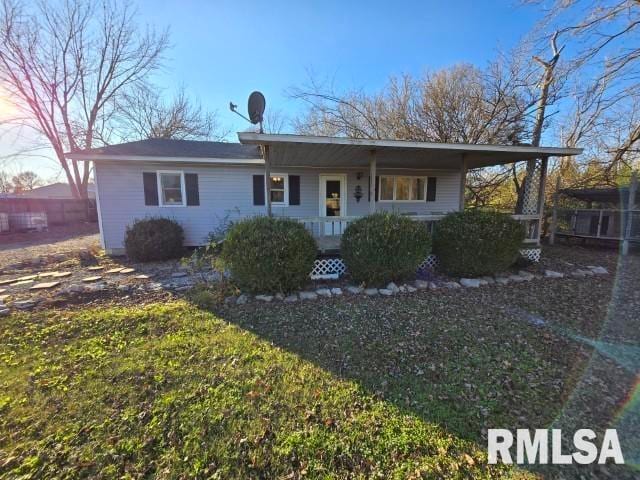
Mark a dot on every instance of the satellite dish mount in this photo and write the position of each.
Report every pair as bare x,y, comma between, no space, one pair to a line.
255,107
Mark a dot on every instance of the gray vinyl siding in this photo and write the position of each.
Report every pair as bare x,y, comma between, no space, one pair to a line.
227,192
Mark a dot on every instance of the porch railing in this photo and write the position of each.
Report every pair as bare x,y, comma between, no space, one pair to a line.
327,230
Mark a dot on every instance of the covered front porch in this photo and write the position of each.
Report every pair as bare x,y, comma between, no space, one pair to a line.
422,180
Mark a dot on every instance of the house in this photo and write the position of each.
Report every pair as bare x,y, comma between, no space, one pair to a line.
323,182
56,190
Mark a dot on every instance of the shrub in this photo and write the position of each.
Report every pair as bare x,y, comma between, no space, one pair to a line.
266,254
475,242
153,239
383,247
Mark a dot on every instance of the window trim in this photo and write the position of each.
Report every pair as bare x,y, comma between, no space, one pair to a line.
183,188
286,189
412,177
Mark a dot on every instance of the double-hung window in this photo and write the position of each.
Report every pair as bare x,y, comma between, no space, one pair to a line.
402,189
279,189
171,188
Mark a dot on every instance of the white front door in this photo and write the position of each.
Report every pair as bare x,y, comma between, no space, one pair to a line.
333,202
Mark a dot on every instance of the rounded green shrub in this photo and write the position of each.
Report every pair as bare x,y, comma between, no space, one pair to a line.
383,247
266,254
154,239
475,242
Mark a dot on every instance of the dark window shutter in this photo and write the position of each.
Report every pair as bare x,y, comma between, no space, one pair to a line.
258,189
294,189
431,189
150,182
193,193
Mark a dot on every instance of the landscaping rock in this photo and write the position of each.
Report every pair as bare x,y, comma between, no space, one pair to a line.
421,284
371,291
526,275
95,268
434,286
403,289
487,280
578,274
411,289
598,270
242,299
96,287
517,278
291,298
178,274
142,277
24,304
308,295
123,288
502,280
336,291
453,285
553,274
354,290
323,292
387,292
279,296
470,282
124,271
393,287
21,282
265,298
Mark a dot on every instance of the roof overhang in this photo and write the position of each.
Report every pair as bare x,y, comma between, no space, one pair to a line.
314,151
93,157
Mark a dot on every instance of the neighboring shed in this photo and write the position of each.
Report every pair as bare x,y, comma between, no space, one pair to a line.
609,214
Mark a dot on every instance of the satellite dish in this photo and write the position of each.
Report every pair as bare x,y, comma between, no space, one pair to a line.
257,104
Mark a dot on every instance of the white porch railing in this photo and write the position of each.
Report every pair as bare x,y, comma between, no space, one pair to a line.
327,230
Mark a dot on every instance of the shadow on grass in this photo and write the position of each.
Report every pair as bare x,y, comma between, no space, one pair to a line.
464,360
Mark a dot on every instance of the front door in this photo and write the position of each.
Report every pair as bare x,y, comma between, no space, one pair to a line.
333,202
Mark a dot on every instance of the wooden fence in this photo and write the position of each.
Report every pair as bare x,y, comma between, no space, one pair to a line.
59,211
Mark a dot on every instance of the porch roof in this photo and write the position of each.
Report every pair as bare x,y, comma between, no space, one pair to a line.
313,151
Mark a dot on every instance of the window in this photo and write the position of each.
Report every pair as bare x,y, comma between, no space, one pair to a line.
279,188
402,189
171,188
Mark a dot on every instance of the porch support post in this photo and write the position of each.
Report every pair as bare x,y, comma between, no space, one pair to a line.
463,181
554,217
372,181
541,191
267,178
633,188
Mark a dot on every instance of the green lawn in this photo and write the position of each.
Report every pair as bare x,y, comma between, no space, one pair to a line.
401,387
170,391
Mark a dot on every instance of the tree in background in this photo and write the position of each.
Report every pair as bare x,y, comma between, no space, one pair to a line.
142,113
5,183
25,181
67,63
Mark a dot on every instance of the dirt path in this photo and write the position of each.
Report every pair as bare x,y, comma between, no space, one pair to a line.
21,247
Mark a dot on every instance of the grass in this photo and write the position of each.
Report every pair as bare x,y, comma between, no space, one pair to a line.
344,388
170,391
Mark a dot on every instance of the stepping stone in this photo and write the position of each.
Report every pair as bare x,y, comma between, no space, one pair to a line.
27,277
95,268
44,285
142,276
22,282
92,279
46,274
24,304
2,290
127,270
115,270
61,275
7,282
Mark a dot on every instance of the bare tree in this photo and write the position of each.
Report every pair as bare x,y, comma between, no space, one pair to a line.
25,181
5,183
66,63
143,113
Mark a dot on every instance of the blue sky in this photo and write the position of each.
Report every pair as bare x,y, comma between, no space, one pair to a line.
223,50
